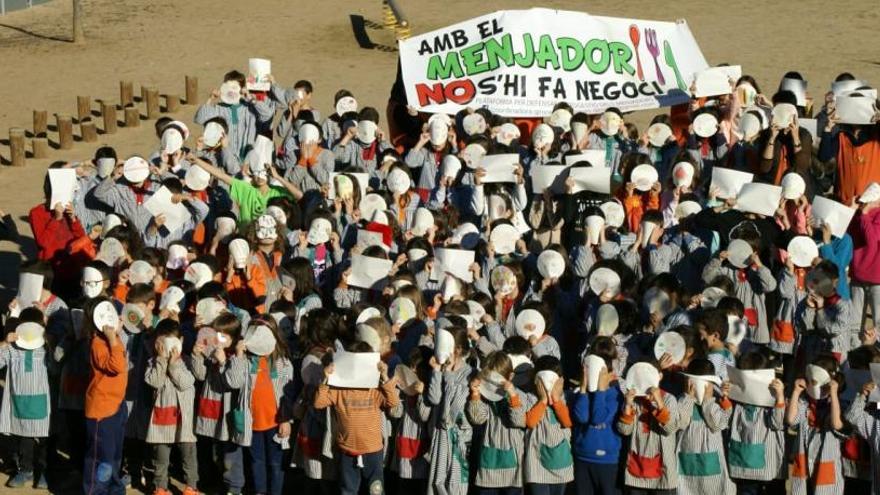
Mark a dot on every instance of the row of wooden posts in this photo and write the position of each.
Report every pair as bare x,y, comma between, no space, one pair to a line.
88,128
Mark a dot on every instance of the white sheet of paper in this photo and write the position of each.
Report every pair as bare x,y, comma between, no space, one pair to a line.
456,262
595,157
30,288
368,272
366,238
843,87
63,181
729,181
715,81
810,126
762,199
548,176
160,204
500,168
751,386
835,214
363,181
258,71
354,369
857,110
591,179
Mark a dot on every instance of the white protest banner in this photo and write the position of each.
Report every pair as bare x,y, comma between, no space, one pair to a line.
836,215
456,262
751,386
368,272
596,158
520,63
354,369
548,176
63,182
259,70
160,203
591,179
499,168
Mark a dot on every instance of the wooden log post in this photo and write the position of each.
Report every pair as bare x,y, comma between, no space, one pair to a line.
83,108
65,131
152,99
41,123
108,112
192,90
89,131
40,141
132,117
126,94
16,147
172,103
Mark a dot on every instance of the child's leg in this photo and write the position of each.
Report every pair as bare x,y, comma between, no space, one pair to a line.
258,462
26,454
604,478
349,475
233,467
161,460
539,489
76,434
274,454
373,472
749,487
189,459
875,302
103,454
41,451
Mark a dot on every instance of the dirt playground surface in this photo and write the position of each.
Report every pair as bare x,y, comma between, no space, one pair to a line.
157,42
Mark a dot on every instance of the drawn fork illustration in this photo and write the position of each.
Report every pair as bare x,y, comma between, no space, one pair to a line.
654,50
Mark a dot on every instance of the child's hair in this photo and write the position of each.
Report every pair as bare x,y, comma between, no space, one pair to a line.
724,283
236,76
173,184
713,322
632,131
300,269
498,362
227,324
730,305
161,124
701,367
32,315
462,341
155,257
288,309
517,345
140,294
605,348
548,363
752,360
319,328
827,269
304,85
359,346
861,358
418,360
213,290
381,326
104,152
167,327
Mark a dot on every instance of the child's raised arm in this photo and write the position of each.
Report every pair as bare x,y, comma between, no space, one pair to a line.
220,174
835,419
793,410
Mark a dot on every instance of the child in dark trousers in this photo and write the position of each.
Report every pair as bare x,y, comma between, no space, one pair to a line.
359,427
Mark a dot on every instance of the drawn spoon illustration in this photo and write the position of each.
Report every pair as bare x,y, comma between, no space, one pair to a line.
634,35
670,61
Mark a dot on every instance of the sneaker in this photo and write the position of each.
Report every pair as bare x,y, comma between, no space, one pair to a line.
191,491
20,479
42,484
161,491
125,479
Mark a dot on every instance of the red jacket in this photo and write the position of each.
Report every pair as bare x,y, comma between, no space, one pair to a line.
54,238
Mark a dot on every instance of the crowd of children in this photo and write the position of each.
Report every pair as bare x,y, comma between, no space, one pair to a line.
652,335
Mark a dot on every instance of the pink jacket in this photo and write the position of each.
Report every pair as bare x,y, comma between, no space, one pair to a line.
865,266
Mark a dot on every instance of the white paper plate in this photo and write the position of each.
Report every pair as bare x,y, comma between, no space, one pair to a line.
803,251
659,134
605,279
644,177
642,377
705,125
614,213
670,343
105,315
739,252
503,238
793,186
551,264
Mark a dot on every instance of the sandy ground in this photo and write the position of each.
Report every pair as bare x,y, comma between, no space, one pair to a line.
158,42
